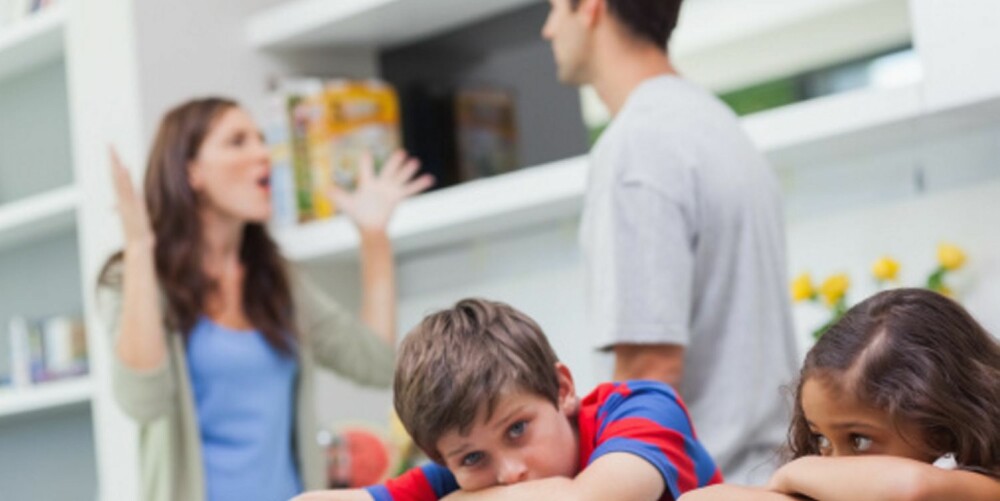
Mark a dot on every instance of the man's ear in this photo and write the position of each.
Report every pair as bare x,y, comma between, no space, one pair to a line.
591,11
569,403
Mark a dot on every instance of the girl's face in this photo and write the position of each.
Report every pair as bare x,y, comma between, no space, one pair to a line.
843,426
232,169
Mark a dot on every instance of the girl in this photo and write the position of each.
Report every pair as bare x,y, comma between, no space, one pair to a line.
897,401
215,338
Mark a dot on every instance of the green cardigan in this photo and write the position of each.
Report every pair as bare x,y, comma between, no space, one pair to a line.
161,400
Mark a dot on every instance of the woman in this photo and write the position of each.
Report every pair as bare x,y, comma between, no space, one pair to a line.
215,338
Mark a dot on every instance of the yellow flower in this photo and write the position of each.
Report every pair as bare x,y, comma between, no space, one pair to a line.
885,269
946,291
834,288
802,288
950,257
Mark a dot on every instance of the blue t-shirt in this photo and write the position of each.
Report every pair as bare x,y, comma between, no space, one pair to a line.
244,396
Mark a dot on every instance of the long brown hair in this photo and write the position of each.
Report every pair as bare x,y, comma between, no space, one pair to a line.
173,213
922,359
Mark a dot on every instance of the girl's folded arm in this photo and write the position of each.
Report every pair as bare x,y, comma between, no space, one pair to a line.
880,478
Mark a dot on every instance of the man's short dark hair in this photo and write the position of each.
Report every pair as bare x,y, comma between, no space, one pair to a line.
651,21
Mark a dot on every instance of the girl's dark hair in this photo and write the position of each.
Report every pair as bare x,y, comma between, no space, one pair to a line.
651,21
924,360
173,212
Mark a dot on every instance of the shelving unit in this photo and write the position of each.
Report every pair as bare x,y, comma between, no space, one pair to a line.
34,40
48,444
37,216
469,210
845,124
850,122
370,23
45,396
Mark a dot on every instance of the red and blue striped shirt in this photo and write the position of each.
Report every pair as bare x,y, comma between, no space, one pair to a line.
643,418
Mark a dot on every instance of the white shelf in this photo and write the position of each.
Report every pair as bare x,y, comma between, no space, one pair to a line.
739,46
837,124
38,215
379,23
861,122
473,209
45,396
32,41
848,124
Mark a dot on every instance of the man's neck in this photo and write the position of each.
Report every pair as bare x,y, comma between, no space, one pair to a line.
620,72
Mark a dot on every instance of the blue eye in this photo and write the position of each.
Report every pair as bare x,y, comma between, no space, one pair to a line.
517,429
472,459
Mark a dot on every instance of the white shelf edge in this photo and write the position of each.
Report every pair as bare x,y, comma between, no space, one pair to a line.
32,40
25,219
44,396
850,123
310,23
488,206
803,125
38,208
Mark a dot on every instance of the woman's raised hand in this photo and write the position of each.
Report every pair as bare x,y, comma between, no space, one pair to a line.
372,203
131,207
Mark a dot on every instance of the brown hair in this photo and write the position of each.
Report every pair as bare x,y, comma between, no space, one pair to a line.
459,361
924,360
651,21
173,213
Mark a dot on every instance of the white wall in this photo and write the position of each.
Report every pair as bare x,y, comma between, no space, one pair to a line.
843,213
536,270
190,48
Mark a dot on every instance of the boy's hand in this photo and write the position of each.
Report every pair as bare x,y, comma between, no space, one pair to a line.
337,495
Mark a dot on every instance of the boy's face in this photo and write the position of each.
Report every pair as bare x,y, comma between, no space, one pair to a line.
844,426
526,438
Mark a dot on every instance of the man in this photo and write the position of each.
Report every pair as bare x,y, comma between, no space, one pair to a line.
682,234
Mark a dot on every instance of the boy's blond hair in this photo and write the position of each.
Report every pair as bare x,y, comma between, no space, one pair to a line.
459,361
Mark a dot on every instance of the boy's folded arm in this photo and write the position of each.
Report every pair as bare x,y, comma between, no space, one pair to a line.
881,478
335,495
729,492
618,476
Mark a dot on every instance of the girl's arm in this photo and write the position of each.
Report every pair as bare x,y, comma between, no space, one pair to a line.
370,207
880,478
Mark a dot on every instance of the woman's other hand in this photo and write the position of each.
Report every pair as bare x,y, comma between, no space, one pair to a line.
371,205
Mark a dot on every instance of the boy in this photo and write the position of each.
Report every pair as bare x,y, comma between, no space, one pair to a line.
482,394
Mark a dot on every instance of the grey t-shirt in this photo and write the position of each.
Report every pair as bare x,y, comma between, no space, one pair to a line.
683,240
